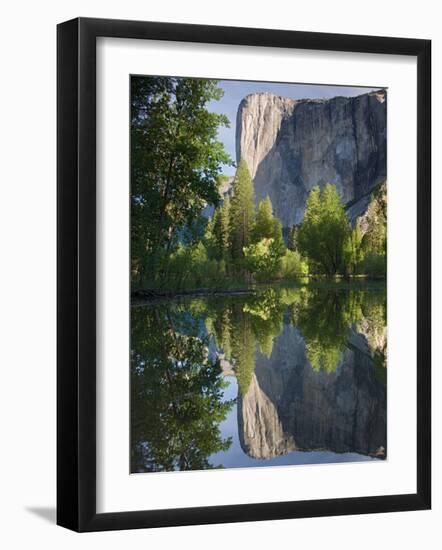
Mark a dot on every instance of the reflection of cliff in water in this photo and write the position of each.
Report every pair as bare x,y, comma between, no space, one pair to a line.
222,381
291,406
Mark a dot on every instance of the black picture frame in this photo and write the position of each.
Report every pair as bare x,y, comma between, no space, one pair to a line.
76,274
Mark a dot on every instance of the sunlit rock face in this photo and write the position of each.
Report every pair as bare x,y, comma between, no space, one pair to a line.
375,338
290,406
260,430
292,145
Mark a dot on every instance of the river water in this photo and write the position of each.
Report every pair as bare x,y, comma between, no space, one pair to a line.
282,376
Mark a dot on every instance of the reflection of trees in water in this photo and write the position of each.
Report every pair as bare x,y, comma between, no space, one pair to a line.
232,330
241,325
266,312
324,319
176,393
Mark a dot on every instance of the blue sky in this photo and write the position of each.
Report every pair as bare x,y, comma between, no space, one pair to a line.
236,90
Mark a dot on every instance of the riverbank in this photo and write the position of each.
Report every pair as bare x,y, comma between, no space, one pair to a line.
138,297
148,296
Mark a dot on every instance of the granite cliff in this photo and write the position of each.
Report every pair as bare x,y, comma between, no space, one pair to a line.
292,145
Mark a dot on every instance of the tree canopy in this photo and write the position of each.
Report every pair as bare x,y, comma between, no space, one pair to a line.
324,230
176,160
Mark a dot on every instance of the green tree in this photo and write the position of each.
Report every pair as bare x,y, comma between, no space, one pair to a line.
309,232
264,221
374,241
263,259
267,226
292,266
242,211
176,394
375,265
221,231
324,230
263,256
176,158
353,250
375,219
293,238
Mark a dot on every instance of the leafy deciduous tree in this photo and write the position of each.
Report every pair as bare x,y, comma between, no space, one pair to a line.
176,160
324,230
353,251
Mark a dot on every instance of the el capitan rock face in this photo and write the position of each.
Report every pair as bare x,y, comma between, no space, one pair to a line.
292,145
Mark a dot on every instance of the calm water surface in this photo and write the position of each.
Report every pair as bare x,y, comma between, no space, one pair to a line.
283,376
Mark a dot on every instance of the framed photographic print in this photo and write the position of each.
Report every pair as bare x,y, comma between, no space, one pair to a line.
243,274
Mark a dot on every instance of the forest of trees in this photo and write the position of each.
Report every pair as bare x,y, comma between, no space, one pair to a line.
176,174
331,246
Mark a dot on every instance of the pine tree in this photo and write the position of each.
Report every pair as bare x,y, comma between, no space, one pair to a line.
293,238
264,223
221,230
242,211
268,227
308,233
335,229
263,255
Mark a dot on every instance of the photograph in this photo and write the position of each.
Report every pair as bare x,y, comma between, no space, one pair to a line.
233,316
258,274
